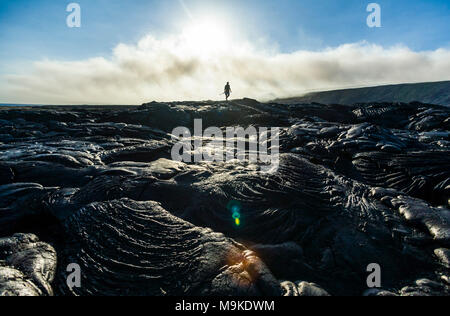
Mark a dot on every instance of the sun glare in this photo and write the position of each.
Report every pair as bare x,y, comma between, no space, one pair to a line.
206,36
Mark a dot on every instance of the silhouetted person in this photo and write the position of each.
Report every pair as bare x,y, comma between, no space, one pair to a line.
227,90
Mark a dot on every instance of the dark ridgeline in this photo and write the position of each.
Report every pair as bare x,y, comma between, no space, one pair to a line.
429,92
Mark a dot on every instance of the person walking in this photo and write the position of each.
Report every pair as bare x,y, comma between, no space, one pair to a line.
227,90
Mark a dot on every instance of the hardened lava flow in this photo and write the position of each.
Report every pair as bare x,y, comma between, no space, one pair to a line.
96,186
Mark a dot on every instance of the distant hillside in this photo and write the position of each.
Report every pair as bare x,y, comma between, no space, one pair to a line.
430,92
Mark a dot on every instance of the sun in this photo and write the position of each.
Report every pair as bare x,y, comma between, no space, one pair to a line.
207,35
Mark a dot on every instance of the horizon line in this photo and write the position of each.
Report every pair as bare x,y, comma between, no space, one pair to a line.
301,94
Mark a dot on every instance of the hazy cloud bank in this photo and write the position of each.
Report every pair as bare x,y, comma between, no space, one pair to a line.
174,68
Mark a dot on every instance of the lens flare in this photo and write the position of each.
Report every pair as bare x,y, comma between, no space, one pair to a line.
235,208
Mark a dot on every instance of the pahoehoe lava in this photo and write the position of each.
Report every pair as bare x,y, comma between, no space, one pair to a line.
96,186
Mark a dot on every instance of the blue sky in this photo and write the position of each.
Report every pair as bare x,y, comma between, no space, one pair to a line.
33,30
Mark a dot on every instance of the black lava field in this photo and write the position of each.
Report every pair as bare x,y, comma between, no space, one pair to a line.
96,186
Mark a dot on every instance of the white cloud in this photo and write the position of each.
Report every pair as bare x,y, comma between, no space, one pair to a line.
186,68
